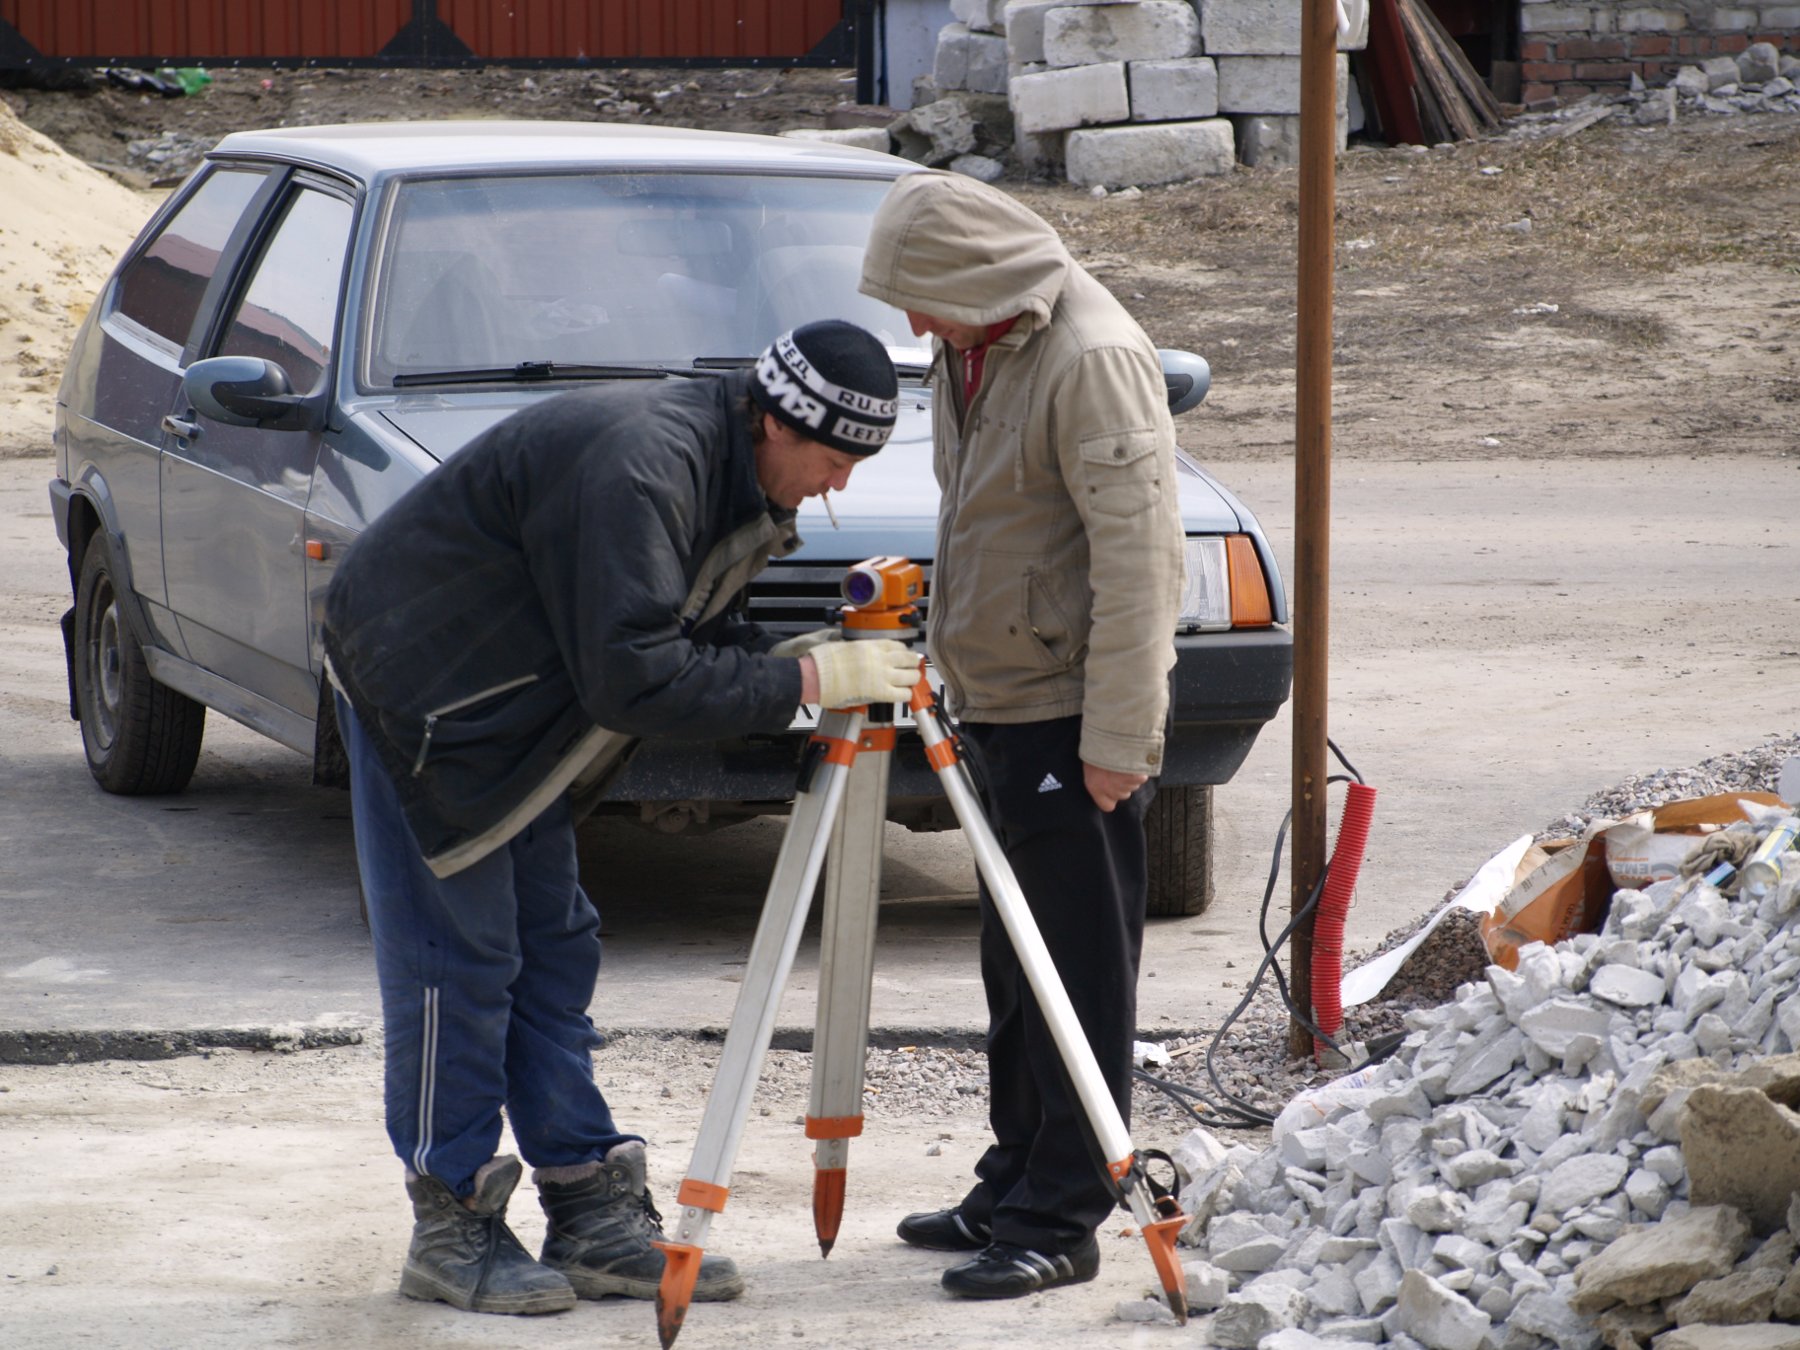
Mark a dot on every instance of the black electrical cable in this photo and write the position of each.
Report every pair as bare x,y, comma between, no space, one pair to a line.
1240,1114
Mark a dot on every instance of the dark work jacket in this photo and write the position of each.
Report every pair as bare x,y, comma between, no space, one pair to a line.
563,584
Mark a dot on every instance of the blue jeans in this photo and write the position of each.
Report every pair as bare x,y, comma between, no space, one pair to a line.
485,982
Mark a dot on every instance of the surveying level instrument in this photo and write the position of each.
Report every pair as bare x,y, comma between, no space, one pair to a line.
839,811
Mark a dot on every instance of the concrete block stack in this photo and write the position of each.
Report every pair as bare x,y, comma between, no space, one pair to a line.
1594,1144
1117,93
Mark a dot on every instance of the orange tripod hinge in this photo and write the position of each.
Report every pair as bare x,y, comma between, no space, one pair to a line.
921,696
837,750
702,1194
833,1127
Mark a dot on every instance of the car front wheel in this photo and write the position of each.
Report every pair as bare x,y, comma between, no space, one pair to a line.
140,737
1178,833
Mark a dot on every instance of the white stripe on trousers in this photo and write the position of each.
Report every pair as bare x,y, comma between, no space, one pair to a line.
428,1039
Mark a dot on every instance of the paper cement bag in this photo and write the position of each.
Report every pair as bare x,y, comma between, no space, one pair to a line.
1570,891
1566,894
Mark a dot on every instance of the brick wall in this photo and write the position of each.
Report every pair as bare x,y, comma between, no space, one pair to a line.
1568,50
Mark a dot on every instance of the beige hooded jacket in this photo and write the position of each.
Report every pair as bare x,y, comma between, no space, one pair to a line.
1058,574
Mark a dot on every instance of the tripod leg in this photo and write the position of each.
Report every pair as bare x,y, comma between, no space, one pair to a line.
703,1193
1160,1219
846,967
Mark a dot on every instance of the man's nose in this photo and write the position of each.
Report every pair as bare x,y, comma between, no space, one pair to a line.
840,479
921,325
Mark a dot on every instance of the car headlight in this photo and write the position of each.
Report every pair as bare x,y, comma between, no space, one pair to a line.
1206,596
1225,586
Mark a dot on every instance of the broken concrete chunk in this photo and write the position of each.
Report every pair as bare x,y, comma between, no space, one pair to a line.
1732,1300
1628,986
1758,63
1730,1338
936,133
1255,1312
1580,1181
1720,71
1440,1317
1659,1260
1742,1149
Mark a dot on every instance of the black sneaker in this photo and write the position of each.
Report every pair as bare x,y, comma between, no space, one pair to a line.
1005,1271
944,1230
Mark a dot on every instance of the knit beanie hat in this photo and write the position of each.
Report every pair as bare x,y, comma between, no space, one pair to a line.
833,383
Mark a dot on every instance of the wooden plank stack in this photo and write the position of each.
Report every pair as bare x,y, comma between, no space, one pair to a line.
1454,103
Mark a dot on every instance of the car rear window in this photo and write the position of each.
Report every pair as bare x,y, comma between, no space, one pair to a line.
161,290
658,268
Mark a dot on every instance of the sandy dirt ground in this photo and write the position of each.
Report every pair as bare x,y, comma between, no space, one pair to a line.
249,1199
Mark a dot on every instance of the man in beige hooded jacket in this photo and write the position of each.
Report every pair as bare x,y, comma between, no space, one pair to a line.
1056,586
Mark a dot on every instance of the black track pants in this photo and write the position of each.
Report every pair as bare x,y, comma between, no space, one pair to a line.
1043,1184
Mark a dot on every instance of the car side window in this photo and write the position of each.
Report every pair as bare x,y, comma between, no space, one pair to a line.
288,312
161,290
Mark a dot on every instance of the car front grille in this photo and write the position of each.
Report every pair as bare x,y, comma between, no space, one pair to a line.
792,597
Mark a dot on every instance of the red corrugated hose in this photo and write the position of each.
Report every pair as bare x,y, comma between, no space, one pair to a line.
1334,907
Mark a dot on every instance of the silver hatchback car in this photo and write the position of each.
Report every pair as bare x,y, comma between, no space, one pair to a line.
320,316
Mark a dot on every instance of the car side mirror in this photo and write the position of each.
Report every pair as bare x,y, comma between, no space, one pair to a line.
1187,377
247,391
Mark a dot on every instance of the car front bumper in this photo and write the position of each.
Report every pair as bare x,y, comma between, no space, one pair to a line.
1227,686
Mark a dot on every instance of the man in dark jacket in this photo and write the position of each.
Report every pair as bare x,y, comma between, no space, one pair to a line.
566,583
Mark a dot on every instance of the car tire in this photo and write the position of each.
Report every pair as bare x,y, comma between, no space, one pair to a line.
1178,835
141,738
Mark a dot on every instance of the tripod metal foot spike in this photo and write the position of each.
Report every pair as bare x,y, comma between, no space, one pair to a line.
681,1268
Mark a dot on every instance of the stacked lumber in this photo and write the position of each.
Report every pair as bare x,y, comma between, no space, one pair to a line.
1453,102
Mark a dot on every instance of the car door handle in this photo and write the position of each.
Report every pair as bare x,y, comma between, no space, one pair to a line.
180,426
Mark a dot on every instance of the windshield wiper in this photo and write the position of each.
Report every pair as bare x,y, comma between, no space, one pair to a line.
528,371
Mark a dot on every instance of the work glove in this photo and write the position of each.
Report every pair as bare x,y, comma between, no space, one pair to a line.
805,642
877,670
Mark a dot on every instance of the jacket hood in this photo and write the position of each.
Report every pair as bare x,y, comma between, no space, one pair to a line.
947,245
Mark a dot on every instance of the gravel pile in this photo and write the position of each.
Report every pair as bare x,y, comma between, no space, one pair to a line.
1755,770
1252,1061
1453,1197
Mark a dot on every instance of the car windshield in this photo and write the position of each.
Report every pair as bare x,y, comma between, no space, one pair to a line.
506,273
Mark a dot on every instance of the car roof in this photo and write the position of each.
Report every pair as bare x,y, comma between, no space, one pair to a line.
367,150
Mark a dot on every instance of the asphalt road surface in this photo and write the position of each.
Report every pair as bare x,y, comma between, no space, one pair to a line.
1507,636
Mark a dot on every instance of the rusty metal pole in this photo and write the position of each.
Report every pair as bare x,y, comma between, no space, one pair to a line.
1312,483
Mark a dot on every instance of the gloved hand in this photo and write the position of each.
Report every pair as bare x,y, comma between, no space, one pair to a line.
805,642
867,671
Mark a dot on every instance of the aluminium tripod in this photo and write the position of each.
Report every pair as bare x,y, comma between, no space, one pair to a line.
842,798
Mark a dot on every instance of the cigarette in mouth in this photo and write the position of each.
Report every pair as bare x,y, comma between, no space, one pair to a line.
826,498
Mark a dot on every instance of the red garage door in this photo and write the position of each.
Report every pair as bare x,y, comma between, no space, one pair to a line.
423,32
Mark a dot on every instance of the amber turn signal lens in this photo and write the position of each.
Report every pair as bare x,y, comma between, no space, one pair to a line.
1250,607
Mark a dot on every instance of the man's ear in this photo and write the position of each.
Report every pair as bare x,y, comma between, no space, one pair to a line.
777,432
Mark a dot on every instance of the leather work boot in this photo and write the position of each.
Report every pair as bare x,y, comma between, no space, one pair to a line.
466,1256
602,1225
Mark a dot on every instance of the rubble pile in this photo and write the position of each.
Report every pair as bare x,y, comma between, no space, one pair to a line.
1516,1175
1757,79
